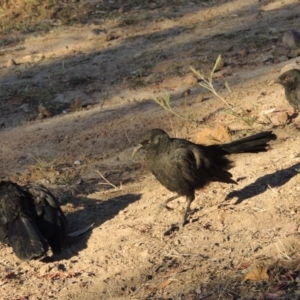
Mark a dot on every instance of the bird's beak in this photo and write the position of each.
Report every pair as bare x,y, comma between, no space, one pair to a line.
136,149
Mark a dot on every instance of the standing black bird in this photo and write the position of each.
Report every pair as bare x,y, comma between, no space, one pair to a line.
291,83
182,166
31,220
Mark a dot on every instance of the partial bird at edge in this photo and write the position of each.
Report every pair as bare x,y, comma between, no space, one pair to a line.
31,220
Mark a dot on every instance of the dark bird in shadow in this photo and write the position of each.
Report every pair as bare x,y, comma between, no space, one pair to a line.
31,220
290,80
182,166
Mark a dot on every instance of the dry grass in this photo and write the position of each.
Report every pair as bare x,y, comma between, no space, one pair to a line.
39,15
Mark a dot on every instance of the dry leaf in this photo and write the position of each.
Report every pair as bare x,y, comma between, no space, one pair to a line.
164,284
257,274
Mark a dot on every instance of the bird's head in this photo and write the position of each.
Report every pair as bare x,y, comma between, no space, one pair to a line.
289,78
150,139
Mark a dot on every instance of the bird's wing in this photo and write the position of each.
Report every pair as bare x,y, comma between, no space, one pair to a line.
190,160
51,219
198,167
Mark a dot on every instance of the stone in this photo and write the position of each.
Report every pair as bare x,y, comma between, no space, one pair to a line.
218,134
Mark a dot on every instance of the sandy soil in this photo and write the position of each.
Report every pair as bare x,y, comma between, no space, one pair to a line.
98,82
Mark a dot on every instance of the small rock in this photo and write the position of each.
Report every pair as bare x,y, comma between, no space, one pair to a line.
280,118
268,58
25,107
216,135
293,53
190,79
38,57
291,39
11,62
27,59
43,112
244,52
111,36
222,73
46,269
97,31
76,105
77,162
275,117
186,93
44,181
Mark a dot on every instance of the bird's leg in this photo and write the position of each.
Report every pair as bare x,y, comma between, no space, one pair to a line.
164,204
189,200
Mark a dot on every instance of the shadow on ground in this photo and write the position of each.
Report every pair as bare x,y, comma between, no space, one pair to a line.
276,179
93,212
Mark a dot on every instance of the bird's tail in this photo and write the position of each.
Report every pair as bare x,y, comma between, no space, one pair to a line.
254,143
26,240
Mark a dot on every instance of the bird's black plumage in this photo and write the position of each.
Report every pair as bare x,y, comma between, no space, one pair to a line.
182,166
31,220
291,83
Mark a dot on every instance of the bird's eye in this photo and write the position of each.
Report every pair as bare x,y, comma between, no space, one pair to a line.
287,78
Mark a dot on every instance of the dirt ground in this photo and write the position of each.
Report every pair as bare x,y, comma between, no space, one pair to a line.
73,102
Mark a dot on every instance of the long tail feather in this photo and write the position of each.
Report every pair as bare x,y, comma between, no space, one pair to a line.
254,143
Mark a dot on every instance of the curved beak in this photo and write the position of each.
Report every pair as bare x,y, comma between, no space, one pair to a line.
136,149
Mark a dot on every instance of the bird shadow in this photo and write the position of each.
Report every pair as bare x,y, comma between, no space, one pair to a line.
260,185
95,212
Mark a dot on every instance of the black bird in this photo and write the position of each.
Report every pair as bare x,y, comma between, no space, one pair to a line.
31,220
291,83
182,166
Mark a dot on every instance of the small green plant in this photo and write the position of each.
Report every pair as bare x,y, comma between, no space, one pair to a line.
208,83
43,165
165,102
103,99
233,109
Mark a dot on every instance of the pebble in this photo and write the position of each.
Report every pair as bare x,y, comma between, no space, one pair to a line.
291,39
11,62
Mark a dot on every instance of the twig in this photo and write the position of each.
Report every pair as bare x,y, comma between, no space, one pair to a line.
106,180
128,138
